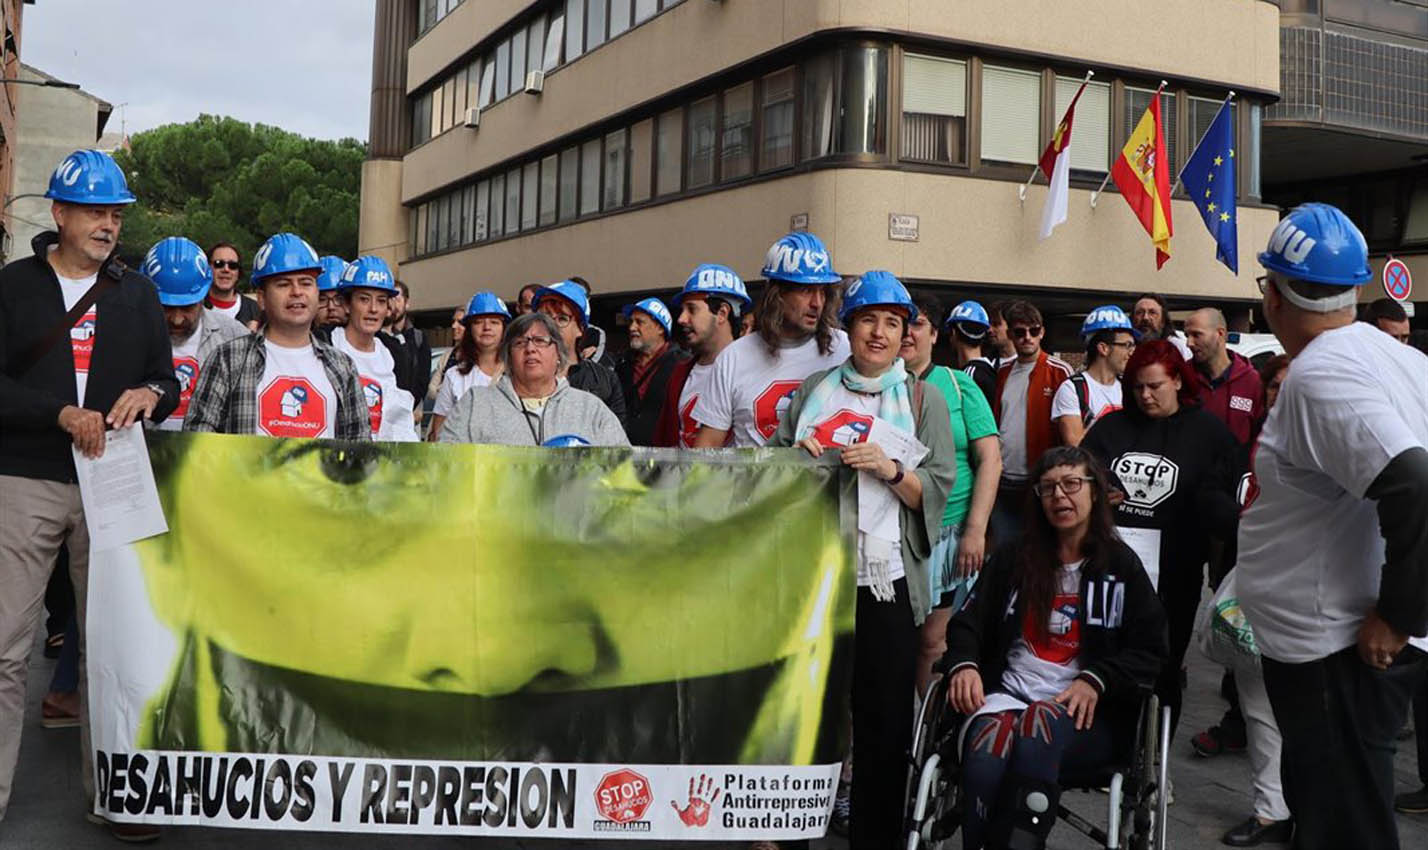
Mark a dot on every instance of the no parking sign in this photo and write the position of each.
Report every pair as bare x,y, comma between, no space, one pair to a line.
1397,282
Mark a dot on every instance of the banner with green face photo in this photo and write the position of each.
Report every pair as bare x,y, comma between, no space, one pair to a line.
477,640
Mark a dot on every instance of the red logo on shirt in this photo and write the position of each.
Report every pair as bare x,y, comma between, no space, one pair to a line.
1060,641
372,392
770,404
186,370
81,340
688,427
843,428
291,407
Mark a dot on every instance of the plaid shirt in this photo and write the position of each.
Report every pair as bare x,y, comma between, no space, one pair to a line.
226,398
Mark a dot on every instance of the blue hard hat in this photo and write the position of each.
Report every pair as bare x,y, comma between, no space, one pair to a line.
284,253
570,291
1107,318
657,311
1319,244
332,269
487,304
180,270
565,441
970,313
876,289
721,281
89,177
799,257
368,272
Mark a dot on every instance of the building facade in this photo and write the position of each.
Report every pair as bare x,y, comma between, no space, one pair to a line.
11,12
629,140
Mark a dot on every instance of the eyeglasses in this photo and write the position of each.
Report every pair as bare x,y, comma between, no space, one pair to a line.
1128,345
1262,282
227,264
561,319
1070,485
1021,331
525,342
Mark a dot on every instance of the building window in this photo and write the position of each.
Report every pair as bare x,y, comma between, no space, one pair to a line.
421,119
547,190
569,183
513,201
535,40
430,12
736,152
433,227
645,9
453,220
498,206
419,229
614,170
1252,181
1137,102
530,195
700,169
843,95
669,152
488,83
777,145
641,160
1011,115
503,69
450,89
468,222
554,42
483,202
574,28
590,177
1091,127
438,103
518,61
473,86
619,16
934,109
594,24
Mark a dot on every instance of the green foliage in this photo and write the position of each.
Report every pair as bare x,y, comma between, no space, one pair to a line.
218,179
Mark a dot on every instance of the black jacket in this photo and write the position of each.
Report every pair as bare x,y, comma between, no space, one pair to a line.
643,411
413,355
600,380
1180,474
1122,624
131,349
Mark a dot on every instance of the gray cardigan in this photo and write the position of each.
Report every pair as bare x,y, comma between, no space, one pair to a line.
921,526
213,330
494,414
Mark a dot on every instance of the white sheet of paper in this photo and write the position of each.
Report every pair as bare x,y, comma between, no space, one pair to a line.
1146,543
121,501
873,504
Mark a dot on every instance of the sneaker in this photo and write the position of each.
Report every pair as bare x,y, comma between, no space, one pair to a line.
60,710
1412,802
842,811
129,833
1218,740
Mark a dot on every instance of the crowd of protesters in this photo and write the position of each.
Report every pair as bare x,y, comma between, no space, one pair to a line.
1167,455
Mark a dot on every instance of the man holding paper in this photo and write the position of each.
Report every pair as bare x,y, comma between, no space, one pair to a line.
83,348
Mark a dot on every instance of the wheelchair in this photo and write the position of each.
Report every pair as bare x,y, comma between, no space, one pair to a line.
1135,811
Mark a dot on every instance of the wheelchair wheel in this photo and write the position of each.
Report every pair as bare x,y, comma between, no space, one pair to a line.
931,804
1144,807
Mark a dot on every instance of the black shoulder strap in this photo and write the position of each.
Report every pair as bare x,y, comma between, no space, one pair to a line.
107,279
1083,395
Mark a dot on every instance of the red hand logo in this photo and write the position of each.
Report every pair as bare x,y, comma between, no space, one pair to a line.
696,813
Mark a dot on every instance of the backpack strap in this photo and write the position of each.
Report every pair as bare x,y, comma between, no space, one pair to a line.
1083,395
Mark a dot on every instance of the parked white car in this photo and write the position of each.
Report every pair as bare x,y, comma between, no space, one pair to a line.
1257,348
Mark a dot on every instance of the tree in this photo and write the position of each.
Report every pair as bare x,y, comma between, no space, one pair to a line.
217,179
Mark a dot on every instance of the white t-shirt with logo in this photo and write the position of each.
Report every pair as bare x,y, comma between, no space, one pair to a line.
454,385
295,398
186,369
1013,422
750,390
1103,399
1310,551
81,336
389,407
231,311
700,376
1043,662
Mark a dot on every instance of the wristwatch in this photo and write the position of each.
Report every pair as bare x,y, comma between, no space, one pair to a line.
156,389
896,479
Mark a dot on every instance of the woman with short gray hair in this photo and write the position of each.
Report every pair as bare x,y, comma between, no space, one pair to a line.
530,404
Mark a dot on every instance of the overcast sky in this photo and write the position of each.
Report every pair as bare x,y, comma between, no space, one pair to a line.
303,65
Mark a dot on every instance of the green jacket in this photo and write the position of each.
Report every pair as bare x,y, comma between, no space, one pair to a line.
921,526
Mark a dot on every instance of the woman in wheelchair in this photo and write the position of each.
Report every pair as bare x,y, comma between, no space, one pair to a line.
1050,655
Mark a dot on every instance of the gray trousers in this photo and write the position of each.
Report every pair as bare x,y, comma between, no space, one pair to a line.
35,518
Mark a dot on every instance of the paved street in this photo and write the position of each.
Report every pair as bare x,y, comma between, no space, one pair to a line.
1210,796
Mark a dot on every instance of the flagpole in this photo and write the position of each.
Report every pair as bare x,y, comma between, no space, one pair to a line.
1021,192
1226,102
1097,194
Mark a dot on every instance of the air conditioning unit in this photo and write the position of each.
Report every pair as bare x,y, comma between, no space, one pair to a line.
473,117
535,81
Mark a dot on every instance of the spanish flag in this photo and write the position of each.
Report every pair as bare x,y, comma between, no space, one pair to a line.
1142,173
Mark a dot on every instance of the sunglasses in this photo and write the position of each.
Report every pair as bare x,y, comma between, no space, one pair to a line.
227,264
1020,331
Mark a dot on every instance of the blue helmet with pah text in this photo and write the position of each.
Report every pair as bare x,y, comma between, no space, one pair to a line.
800,257
368,272
570,291
876,289
712,279
487,304
656,310
1107,318
89,177
332,269
284,253
565,441
180,271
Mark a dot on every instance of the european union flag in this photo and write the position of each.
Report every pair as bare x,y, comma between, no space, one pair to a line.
1209,178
